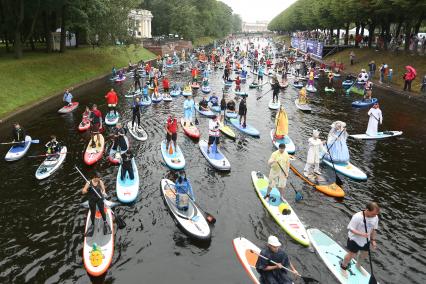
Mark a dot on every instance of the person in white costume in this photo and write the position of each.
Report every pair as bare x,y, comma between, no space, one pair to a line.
315,148
375,118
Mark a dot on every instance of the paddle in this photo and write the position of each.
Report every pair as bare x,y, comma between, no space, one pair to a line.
261,96
209,217
120,222
305,279
47,155
338,180
372,278
299,196
35,141
196,119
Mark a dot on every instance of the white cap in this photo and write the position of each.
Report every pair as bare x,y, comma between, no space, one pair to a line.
273,241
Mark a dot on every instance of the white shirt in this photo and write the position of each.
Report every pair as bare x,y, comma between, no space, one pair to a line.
214,128
357,223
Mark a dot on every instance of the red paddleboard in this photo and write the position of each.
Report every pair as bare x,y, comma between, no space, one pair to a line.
190,129
84,125
94,154
70,108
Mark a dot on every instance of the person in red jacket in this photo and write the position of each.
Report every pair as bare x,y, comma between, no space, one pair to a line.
166,85
171,129
238,84
194,74
112,100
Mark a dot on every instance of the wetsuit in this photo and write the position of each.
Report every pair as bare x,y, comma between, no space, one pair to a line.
126,166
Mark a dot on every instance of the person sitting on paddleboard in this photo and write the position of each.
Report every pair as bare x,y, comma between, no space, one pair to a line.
242,112
314,154
203,104
188,109
214,133
67,99
214,100
136,113
183,191
119,134
275,89
95,190
205,82
18,134
171,129
95,126
230,105
368,90
126,165
280,164
53,147
361,233
270,272
112,101
222,108
120,74
86,113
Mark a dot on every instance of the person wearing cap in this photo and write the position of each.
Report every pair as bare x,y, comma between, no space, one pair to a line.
274,273
315,148
188,110
361,232
376,117
95,190
171,130
280,165
118,135
183,191
214,133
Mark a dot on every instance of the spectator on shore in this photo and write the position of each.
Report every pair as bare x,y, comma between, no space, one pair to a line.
352,57
382,70
423,88
372,68
408,77
390,73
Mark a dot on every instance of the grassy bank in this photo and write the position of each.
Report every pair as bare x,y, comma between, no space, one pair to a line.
397,62
39,75
203,41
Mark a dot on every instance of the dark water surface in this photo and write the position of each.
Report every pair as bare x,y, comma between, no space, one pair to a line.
42,223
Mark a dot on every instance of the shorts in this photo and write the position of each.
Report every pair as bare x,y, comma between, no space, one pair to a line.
213,139
172,136
259,77
166,90
277,181
95,127
353,247
112,105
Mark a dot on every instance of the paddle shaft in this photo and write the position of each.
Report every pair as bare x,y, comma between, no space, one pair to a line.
372,278
264,94
273,262
35,141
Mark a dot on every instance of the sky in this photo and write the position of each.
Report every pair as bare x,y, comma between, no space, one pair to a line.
258,10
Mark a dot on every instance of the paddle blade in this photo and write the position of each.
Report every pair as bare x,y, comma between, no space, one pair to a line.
299,196
338,181
196,121
309,280
35,141
372,280
120,222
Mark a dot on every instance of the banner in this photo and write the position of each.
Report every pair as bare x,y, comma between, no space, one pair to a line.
313,47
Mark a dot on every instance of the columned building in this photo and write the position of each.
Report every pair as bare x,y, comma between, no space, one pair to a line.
140,23
258,26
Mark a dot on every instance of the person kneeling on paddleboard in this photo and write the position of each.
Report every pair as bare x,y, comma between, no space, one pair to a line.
214,134
361,232
67,99
95,126
53,147
119,134
280,165
95,190
136,113
274,273
18,134
230,105
126,165
183,191
171,129
204,104
242,111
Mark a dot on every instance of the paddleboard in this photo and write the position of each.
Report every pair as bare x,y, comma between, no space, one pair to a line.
225,129
364,103
137,132
329,90
207,113
118,80
17,151
167,98
84,125
155,99
94,154
298,85
175,93
248,259
69,108
98,249
311,89
290,223
127,189
249,130
347,83
379,135
347,169
289,145
190,129
145,101
241,93
114,157
51,164
195,86
215,157
191,221
176,160
274,105
356,90
206,89
326,182
231,114
332,254
186,93
302,107
111,118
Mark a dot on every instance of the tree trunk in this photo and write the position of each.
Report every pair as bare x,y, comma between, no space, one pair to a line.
338,36
347,35
6,41
63,28
371,28
418,24
47,32
387,36
17,44
407,36
362,29
77,37
356,34
32,44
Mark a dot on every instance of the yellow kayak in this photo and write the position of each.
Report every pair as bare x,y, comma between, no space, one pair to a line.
225,129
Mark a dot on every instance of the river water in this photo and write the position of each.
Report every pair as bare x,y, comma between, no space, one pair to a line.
42,223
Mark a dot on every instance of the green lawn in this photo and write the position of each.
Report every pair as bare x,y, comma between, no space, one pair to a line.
203,41
38,75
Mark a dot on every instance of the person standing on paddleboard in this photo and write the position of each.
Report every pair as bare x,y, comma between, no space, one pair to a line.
361,232
214,134
280,165
112,101
275,89
368,89
376,117
136,113
95,126
95,190
126,165
238,84
137,79
242,111
260,74
188,110
67,99
171,129
222,108
18,134
119,134
271,273
166,85
315,148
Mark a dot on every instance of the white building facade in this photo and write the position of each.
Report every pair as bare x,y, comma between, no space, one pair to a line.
258,26
140,23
